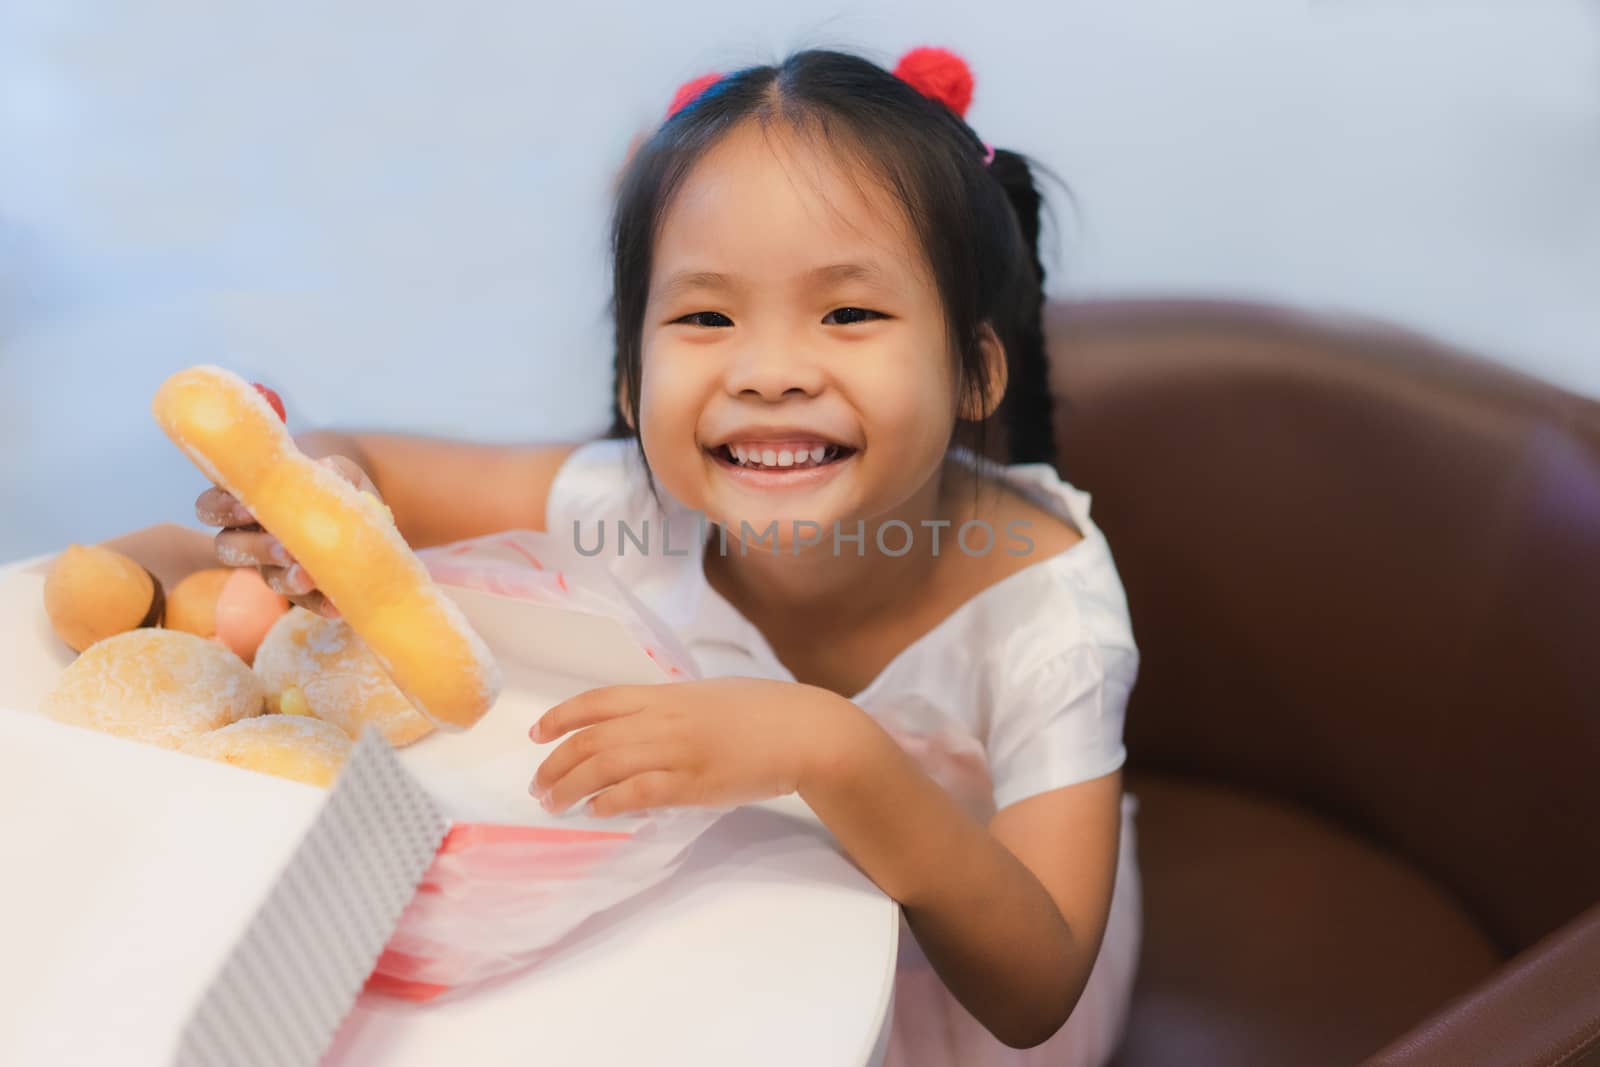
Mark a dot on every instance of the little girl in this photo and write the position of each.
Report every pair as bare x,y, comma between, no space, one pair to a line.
826,293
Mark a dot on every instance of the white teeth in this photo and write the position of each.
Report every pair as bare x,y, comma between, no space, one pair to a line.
779,459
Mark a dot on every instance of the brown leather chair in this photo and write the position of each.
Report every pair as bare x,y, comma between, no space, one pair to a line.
1364,574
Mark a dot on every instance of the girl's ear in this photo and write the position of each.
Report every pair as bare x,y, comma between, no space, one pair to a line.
993,352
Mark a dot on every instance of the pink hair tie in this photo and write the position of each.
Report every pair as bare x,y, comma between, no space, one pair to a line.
988,153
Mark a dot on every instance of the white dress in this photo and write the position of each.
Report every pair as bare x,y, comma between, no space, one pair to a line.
1020,690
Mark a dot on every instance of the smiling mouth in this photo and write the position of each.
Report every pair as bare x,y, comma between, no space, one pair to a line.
777,459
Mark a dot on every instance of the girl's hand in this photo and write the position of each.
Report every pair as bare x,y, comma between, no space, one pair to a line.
712,743
244,543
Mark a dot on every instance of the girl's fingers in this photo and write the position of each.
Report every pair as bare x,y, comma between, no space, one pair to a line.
317,603
590,707
607,767
642,792
251,547
291,581
218,507
243,543
586,744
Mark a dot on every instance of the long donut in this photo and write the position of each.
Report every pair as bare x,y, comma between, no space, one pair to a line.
345,538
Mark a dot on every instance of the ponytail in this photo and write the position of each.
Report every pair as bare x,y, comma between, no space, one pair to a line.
1028,408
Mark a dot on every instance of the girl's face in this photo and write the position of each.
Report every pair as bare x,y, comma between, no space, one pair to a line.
790,315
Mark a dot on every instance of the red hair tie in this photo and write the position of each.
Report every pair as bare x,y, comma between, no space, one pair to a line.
690,91
939,74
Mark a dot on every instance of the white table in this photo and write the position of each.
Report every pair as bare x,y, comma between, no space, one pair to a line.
767,947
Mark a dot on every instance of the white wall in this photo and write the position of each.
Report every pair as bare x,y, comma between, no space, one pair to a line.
396,215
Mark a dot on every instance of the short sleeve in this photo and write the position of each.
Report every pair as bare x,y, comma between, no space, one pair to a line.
598,480
1060,722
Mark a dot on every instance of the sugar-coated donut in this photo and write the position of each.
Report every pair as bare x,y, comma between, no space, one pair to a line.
93,592
288,746
344,538
318,666
157,686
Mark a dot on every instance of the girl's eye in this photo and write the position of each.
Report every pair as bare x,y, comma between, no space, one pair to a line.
707,318
851,316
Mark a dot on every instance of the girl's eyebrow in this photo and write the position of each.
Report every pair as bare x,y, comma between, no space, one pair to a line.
848,272
685,281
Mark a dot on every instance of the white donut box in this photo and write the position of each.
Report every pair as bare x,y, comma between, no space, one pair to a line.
199,913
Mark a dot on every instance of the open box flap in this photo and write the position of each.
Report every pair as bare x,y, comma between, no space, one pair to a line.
298,967
130,871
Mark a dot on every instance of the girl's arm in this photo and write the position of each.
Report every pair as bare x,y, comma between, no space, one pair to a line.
1010,915
442,491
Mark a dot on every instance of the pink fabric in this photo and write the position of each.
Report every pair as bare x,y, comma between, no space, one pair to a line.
497,896
520,564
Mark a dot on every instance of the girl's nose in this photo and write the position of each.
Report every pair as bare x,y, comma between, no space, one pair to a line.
773,371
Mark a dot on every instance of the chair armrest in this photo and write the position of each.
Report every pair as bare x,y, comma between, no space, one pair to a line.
1542,1009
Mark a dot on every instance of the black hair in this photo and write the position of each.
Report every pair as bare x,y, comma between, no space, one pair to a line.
977,224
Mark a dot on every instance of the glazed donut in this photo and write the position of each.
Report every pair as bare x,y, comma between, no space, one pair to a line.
232,605
245,610
345,539
192,604
93,592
